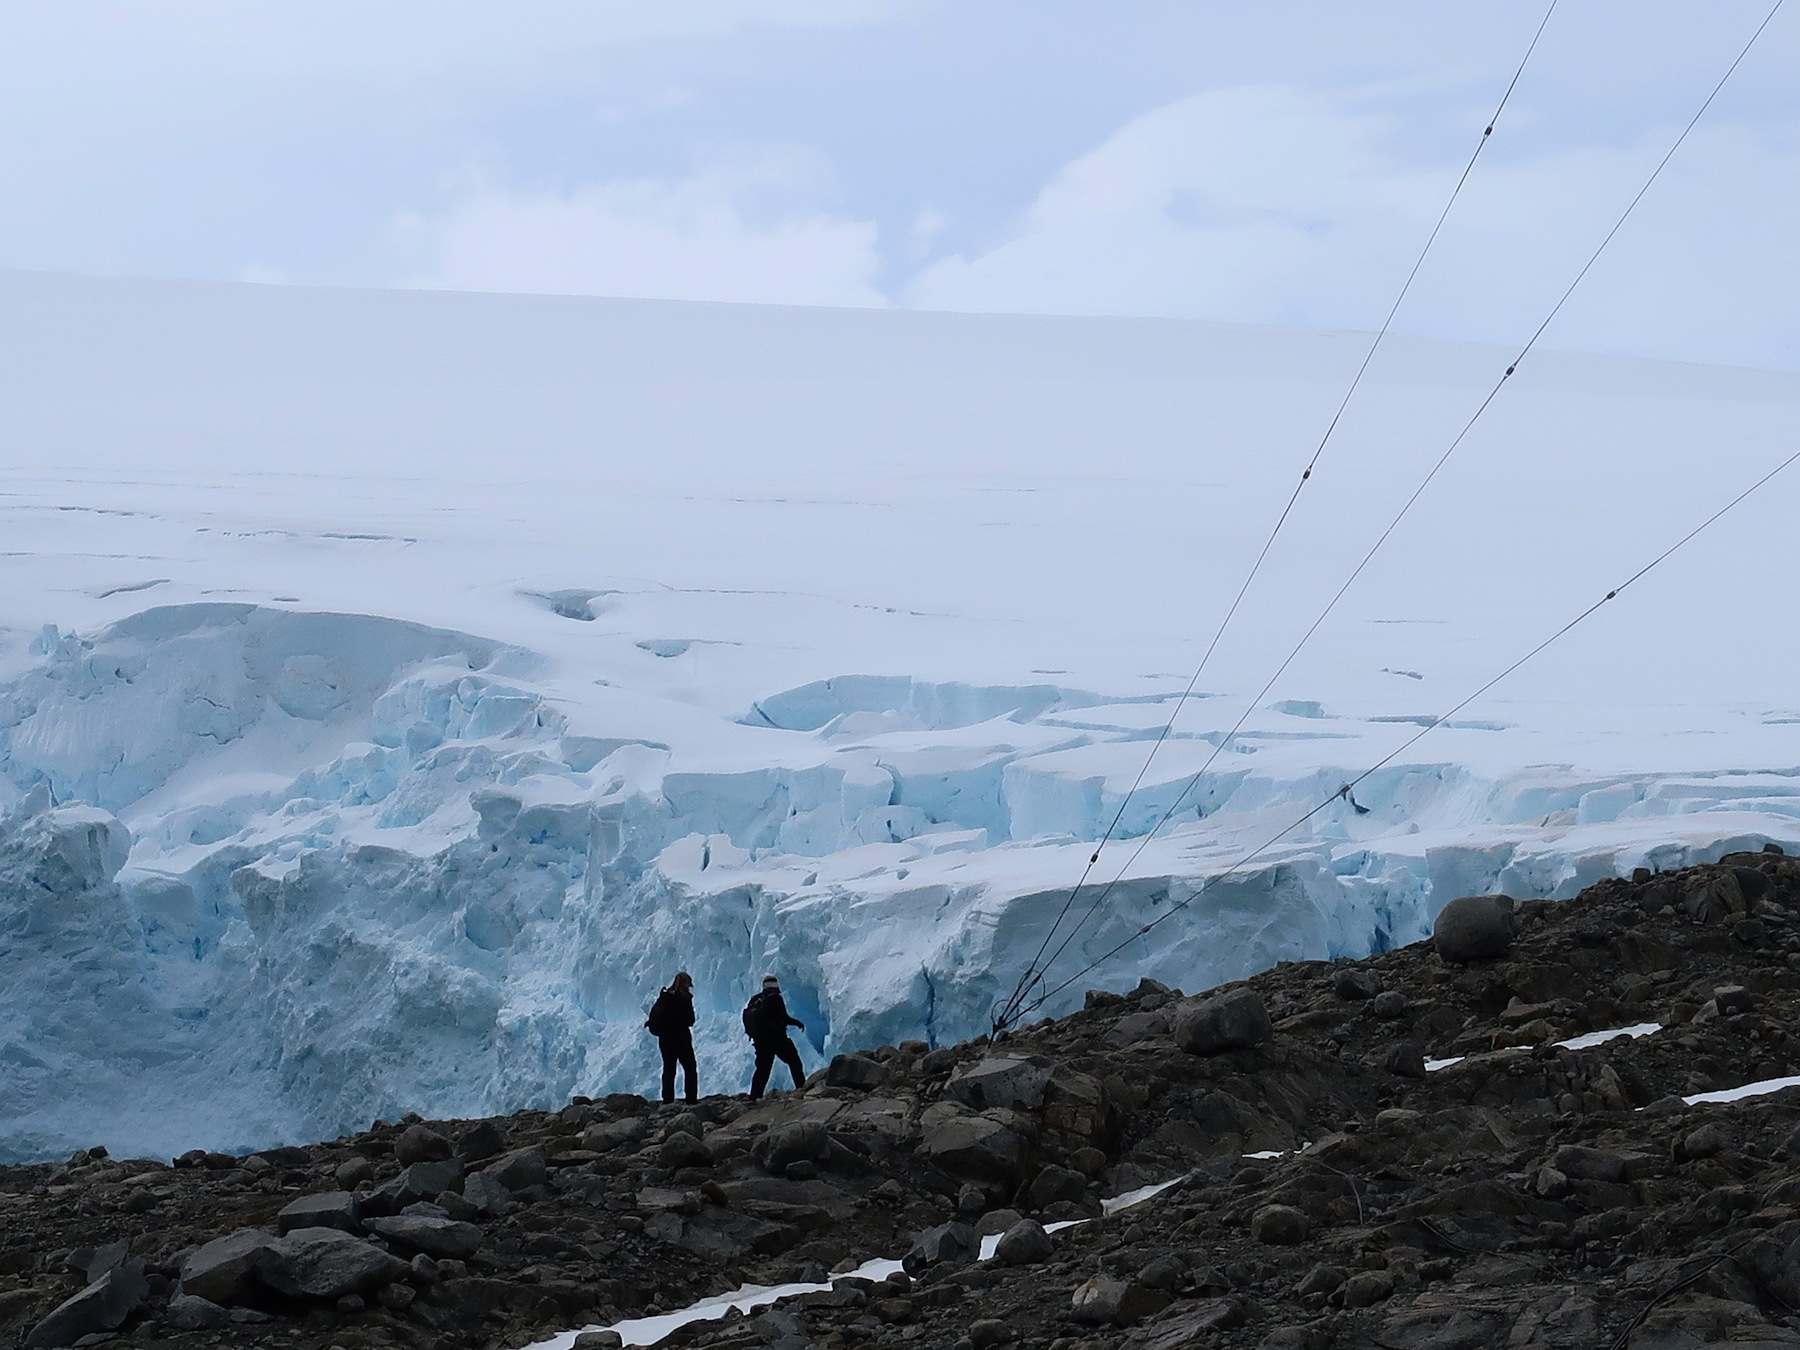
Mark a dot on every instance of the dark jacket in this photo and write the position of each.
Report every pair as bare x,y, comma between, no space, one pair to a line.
766,1017
672,1014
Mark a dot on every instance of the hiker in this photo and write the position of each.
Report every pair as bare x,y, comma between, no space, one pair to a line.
671,1021
766,1023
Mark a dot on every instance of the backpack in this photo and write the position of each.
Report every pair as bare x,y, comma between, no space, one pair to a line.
661,1022
762,1020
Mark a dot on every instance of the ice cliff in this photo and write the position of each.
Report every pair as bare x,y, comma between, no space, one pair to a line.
267,875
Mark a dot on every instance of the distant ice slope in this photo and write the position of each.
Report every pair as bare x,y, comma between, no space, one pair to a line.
396,688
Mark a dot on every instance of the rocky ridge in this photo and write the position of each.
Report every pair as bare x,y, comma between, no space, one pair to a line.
1529,1194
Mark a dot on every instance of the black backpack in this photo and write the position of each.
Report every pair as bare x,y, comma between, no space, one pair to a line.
763,1020
661,1020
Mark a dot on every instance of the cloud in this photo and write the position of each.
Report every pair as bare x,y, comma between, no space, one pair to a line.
1286,205
751,230
1237,203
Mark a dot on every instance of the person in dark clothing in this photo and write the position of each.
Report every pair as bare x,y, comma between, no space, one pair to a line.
766,1023
671,1021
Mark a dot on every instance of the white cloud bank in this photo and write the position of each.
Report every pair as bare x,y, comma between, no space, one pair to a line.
1284,205
744,231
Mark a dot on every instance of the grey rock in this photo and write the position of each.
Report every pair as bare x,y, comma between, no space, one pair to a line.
481,1140
975,1148
421,1181
1390,1004
1055,1183
1597,1164
855,1071
1105,1301
187,1313
1708,1141
435,1237
418,1143
1278,1225
1024,1244
488,1194
519,1170
93,1262
606,1135
328,1209
997,1221
682,1149
1166,1273
352,1172
1355,985
1228,1021
1195,1326
1001,1080
102,1306
803,1141
1474,928
599,1340
1367,1288
948,1244
987,1332
1405,1059
1137,1026
1320,1280
327,1264
220,1270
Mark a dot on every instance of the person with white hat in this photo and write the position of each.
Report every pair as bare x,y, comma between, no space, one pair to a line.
766,1023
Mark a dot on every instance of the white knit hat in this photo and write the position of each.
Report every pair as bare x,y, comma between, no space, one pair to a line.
771,981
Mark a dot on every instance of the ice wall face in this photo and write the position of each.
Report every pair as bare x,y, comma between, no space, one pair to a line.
267,875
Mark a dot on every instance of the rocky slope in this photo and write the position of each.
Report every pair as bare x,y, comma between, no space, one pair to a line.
1530,1194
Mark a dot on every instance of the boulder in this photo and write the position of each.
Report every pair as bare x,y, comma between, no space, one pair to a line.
328,1209
1055,1183
1024,1244
187,1313
93,1262
948,1244
102,1306
1405,1059
855,1071
1001,1081
1228,1021
1355,985
1598,1164
682,1149
803,1141
1367,1288
1278,1225
1105,1301
488,1195
418,1143
220,1270
519,1170
481,1140
440,1238
352,1172
1474,928
421,1181
975,1148
606,1135
327,1264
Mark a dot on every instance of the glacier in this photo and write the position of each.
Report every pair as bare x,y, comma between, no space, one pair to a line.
396,689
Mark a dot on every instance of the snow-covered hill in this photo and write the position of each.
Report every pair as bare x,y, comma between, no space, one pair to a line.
396,688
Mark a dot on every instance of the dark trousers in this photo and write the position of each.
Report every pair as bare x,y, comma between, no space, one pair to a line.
767,1052
677,1050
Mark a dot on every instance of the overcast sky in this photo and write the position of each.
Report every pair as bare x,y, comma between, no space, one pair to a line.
1265,160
